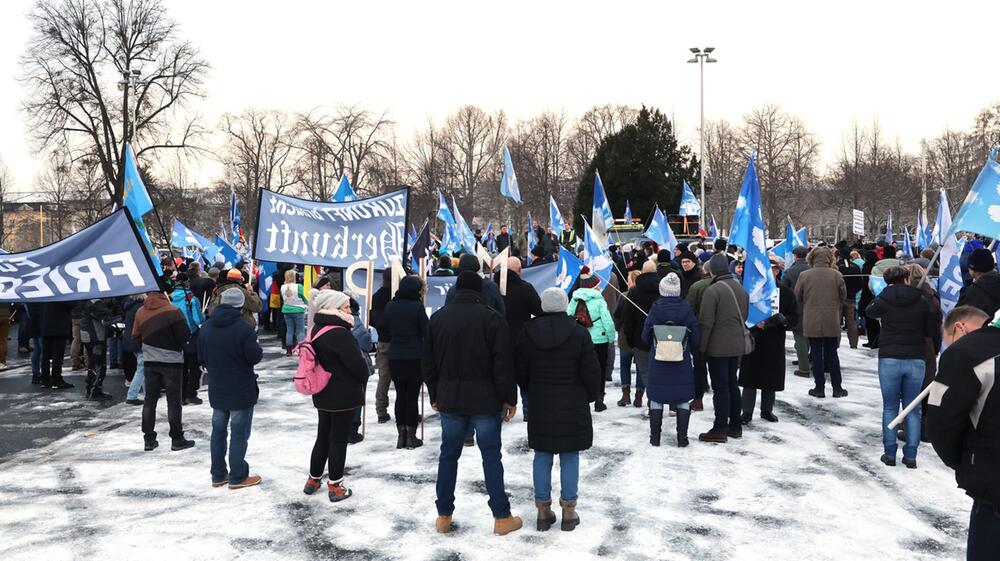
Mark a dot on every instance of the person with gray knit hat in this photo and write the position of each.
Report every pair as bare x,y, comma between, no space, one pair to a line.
228,348
557,370
721,321
670,377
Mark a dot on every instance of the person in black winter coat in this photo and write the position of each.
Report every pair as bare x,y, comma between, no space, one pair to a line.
404,325
854,283
521,302
337,351
645,292
984,292
228,348
690,272
670,382
872,326
55,328
469,372
380,299
907,322
558,372
963,419
94,335
491,292
764,368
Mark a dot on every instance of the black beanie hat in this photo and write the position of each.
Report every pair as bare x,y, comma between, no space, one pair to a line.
981,261
467,280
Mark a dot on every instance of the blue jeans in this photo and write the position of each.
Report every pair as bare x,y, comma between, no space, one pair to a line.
241,420
984,532
823,358
36,356
900,379
295,328
139,380
569,475
115,351
726,397
453,430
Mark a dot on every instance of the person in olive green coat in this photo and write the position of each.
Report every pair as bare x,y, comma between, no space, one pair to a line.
820,292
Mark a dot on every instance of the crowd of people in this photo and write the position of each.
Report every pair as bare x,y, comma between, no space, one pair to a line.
679,317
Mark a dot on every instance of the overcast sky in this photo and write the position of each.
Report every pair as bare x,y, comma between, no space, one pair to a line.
916,69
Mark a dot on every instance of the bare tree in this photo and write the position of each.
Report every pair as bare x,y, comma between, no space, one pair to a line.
596,124
953,162
80,51
257,155
725,161
540,151
56,184
6,185
473,141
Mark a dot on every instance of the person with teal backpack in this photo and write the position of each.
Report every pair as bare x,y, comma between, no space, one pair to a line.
590,310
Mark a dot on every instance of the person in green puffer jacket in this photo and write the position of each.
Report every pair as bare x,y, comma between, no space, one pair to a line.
595,316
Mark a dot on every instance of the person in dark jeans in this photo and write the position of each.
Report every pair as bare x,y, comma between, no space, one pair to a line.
161,330
56,328
721,319
229,350
468,367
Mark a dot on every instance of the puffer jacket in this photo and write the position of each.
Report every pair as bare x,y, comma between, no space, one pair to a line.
337,351
671,382
404,322
603,328
190,306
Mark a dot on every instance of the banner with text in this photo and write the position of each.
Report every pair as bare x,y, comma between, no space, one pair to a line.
292,230
104,260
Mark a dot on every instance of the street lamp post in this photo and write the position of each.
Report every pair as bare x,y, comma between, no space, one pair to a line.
701,56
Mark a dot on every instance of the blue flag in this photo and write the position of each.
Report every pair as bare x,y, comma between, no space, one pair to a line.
135,197
344,192
595,255
950,283
907,248
555,217
568,269
628,211
450,242
943,220
490,240
757,278
713,230
739,234
659,231
266,271
980,213
888,230
532,239
465,235
183,237
689,203
508,183
601,215
234,219
229,254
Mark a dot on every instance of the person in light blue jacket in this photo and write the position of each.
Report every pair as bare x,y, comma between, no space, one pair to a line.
191,308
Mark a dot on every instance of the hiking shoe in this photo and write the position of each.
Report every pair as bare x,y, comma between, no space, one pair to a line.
134,401
182,444
840,393
719,436
442,524
817,393
217,484
248,482
911,464
735,433
312,485
150,445
891,462
504,526
337,491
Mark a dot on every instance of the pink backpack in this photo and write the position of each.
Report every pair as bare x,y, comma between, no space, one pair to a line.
310,377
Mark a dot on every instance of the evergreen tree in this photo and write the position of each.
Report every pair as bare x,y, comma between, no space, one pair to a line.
642,163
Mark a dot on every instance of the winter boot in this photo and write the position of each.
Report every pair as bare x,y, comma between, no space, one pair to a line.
504,526
442,524
546,518
288,351
411,439
655,426
337,491
626,397
697,405
683,418
719,436
97,391
400,437
600,406
638,397
312,485
570,519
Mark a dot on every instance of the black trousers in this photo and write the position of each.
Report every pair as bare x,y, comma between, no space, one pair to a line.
700,374
53,350
602,360
97,359
332,435
158,377
192,376
130,363
407,385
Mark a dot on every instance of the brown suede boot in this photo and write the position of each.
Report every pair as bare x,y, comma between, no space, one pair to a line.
638,397
570,519
443,524
626,396
546,518
697,405
504,526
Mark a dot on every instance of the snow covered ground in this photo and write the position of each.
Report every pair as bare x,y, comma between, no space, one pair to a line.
809,487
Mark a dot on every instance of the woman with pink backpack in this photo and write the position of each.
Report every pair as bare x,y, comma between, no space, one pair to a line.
337,352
